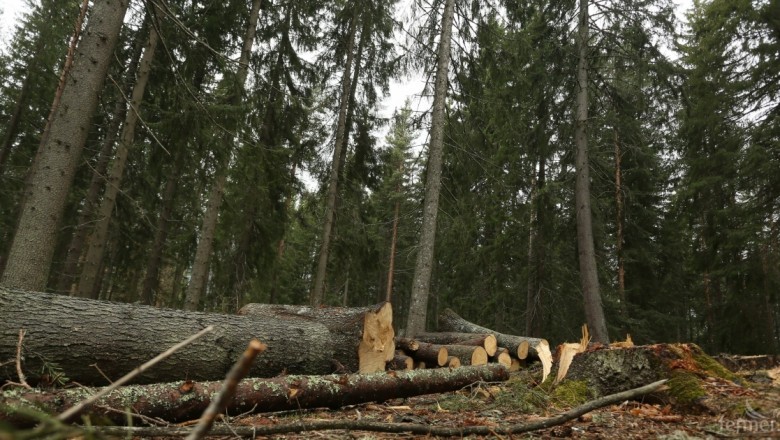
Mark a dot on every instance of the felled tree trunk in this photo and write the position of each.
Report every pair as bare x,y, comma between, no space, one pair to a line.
520,346
363,337
175,402
486,341
76,336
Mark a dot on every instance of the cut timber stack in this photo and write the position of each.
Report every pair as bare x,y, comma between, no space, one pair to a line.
504,358
486,341
437,355
521,347
363,337
433,355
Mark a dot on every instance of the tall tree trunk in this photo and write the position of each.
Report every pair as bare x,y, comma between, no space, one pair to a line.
280,247
268,135
594,312
99,235
69,273
393,242
55,165
621,270
357,61
534,319
768,294
200,268
149,288
418,306
318,290
70,269
63,76
13,125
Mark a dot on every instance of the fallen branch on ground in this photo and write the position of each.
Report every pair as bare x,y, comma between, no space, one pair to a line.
414,428
235,375
179,401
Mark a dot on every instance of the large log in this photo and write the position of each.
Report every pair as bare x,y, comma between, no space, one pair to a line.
468,354
76,336
486,341
431,354
519,346
363,337
179,401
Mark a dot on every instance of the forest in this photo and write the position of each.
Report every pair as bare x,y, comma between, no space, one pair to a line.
615,163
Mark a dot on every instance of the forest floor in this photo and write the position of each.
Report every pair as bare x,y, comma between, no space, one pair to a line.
729,410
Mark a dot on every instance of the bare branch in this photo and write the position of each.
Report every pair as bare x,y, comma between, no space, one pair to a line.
239,370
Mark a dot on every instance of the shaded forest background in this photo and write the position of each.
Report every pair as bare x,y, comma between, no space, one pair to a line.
684,143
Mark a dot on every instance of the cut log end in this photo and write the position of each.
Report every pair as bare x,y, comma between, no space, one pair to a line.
522,350
377,346
401,362
443,356
503,357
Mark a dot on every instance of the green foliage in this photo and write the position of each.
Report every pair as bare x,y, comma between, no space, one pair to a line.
698,140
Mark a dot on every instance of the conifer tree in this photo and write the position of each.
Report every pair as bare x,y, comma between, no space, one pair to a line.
55,165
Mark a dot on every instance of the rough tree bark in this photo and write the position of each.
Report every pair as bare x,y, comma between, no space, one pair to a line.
589,280
685,365
363,337
71,334
55,166
170,402
69,273
88,286
423,268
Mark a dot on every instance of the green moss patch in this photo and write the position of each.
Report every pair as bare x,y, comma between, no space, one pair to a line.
572,392
685,388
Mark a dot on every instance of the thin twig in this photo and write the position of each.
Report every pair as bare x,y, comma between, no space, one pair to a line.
129,376
414,428
149,420
19,372
239,370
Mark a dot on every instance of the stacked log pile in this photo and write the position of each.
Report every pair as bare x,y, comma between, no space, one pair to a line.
510,350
